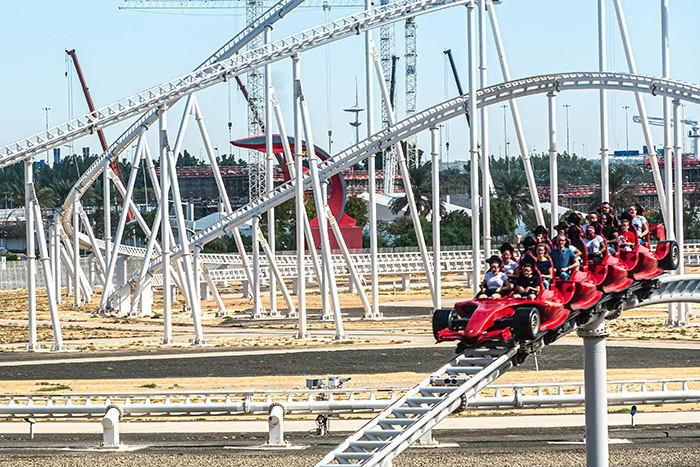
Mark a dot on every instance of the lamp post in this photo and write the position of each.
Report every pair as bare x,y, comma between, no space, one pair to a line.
568,147
627,129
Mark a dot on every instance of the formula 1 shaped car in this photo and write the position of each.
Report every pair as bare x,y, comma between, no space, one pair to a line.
508,320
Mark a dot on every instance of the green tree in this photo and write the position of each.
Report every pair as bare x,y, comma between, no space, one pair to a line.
622,192
356,208
455,229
421,184
502,220
512,188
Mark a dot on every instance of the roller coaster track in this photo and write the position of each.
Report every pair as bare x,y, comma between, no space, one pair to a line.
451,387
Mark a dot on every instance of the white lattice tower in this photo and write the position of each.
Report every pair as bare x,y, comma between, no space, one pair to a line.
411,84
387,49
254,85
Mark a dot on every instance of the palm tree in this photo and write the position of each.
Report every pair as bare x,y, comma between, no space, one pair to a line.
422,186
512,188
622,192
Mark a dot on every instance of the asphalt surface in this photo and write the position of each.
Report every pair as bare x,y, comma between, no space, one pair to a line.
294,362
676,445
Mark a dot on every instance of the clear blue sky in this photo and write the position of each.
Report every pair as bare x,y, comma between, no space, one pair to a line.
124,52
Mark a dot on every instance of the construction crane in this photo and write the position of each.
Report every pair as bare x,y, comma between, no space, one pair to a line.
411,88
100,134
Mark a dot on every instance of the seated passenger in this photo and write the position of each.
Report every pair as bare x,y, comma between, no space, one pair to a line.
564,259
639,222
574,220
605,208
542,235
529,244
527,284
509,264
495,283
592,220
609,232
595,245
544,265
625,237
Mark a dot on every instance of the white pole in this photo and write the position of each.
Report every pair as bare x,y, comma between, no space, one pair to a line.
595,366
165,227
553,174
300,208
372,175
515,113
221,187
680,239
668,158
48,279
325,271
321,215
142,280
602,66
653,159
405,177
435,153
31,255
107,216
76,250
473,146
270,179
113,256
256,312
57,256
483,115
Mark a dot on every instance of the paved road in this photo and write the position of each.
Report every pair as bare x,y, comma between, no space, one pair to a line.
185,363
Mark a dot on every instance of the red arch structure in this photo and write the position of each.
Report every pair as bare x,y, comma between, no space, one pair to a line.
352,233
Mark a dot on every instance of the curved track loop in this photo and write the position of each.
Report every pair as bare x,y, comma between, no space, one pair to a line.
440,113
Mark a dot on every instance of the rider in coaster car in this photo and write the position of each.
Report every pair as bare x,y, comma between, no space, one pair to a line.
605,208
495,283
527,284
626,237
595,245
509,264
574,220
544,264
541,234
528,244
564,259
609,232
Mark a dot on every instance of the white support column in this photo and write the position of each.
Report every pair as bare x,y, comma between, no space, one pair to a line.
404,174
107,205
76,251
515,113
114,254
484,116
326,313
270,178
31,255
679,205
553,171
48,278
189,276
473,146
257,306
110,427
321,215
275,275
602,67
165,227
93,242
372,175
276,426
300,208
653,159
595,366
142,280
57,256
221,187
435,153
668,158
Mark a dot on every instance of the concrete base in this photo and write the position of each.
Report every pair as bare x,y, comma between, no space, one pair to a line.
269,447
120,448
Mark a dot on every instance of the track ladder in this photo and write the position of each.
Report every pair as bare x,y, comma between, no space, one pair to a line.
421,408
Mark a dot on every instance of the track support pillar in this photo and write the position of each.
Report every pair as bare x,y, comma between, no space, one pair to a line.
110,427
595,366
276,426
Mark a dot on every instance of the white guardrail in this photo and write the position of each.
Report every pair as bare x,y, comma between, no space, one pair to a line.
333,401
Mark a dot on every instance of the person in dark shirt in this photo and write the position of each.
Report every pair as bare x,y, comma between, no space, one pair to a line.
544,264
527,284
609,231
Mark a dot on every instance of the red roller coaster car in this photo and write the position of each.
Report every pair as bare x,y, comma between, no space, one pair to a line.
507,320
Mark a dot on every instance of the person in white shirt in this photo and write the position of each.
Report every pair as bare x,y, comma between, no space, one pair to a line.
495,283
595,245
